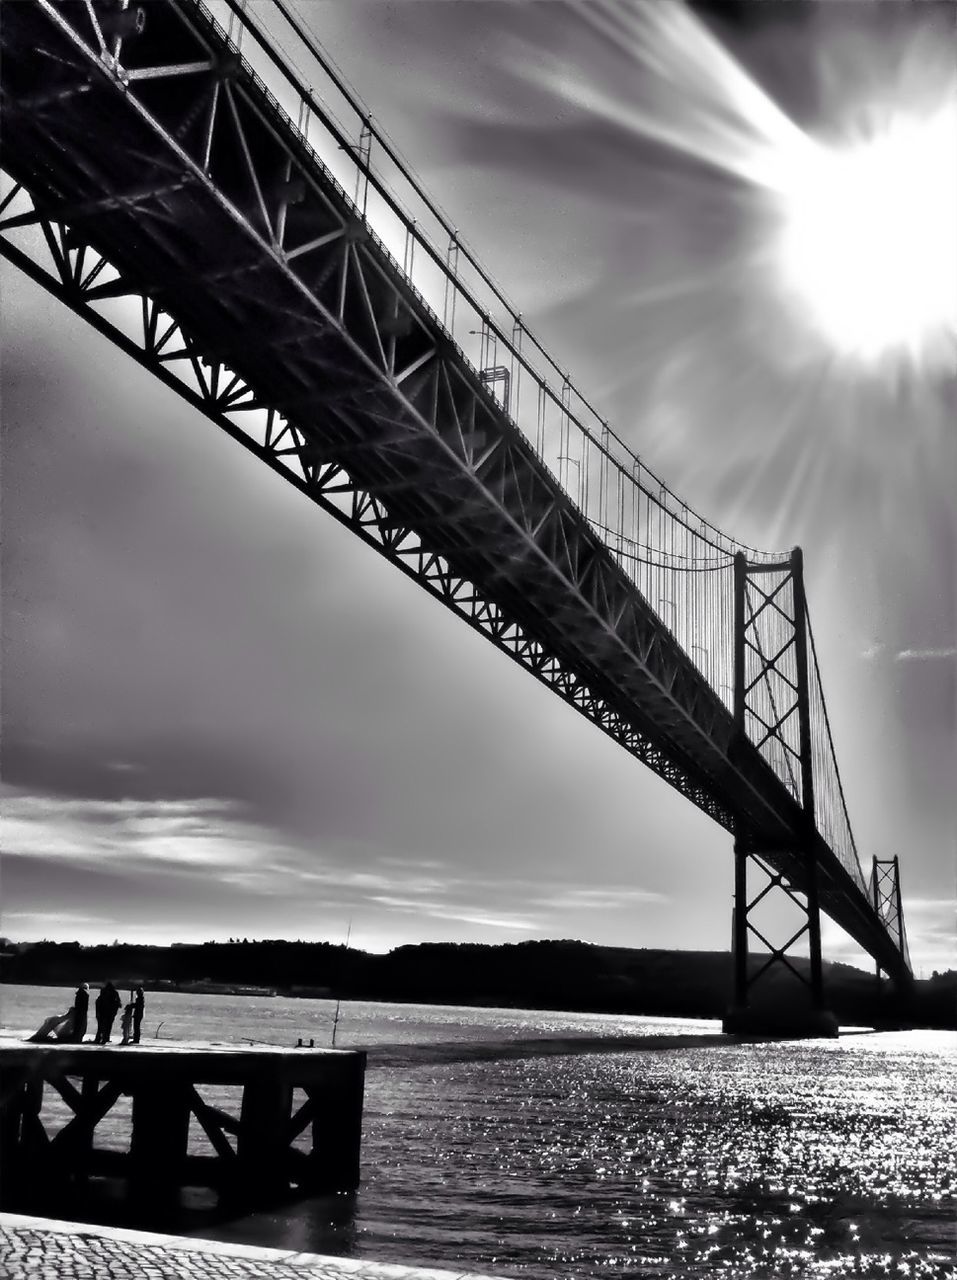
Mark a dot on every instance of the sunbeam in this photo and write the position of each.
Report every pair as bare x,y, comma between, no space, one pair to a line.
853,238
692,95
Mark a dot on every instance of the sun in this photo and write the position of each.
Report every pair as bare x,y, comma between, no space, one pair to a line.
868,243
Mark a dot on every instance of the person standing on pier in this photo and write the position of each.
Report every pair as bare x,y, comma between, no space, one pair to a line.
81,1006
137,1013
107,1006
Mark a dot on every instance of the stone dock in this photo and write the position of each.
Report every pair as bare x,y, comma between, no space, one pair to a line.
48,1249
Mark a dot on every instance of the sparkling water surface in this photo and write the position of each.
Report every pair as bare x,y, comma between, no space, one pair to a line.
542,1145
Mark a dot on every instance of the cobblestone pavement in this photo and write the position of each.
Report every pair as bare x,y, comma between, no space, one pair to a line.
38,1249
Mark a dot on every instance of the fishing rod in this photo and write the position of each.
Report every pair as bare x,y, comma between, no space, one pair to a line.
335,1020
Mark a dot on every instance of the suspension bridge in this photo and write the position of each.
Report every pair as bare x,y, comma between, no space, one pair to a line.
239,226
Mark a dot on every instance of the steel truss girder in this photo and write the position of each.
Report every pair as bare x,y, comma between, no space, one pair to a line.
218,392
347,278
392,336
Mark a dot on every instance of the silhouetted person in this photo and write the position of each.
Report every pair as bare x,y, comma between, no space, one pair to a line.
126,1023
57,1027
81,1006
107,1006
137,1013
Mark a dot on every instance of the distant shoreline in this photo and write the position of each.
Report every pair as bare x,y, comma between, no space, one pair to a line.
547,976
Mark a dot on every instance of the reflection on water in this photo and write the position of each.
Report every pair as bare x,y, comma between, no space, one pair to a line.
784,1160
595,1150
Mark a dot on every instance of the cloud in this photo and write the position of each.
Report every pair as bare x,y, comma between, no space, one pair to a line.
203,833
878,649
925,655
610,898
142,857
459,899
438,910
55,917
933,906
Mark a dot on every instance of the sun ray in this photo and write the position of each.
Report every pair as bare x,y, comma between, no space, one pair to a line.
861,251
701,101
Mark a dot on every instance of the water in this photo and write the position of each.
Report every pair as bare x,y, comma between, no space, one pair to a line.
543,1145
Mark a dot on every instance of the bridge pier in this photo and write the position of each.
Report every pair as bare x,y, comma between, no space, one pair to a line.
791,1002
803,1024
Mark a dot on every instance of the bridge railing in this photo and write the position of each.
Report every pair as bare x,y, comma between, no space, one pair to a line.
680,561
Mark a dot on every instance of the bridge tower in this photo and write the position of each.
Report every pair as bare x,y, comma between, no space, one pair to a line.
894,1005
886,897
772,711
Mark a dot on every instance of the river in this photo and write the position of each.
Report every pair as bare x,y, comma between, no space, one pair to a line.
547,1145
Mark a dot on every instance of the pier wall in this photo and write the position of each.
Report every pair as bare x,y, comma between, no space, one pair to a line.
295,1124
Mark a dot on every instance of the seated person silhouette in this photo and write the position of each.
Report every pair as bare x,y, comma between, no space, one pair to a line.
57,1027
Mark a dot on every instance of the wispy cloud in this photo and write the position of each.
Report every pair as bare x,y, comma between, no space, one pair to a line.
481,901
54,917
188,840
930,906
202,833
878,650
610,898
495,921
436,909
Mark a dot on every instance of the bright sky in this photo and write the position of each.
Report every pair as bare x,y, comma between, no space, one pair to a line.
223,715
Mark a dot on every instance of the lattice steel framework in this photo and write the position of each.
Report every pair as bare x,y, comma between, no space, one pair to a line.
156,187
772,710
886,895
68,266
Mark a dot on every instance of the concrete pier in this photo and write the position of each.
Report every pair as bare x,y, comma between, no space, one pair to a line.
35,1248
781,1024
297,1126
